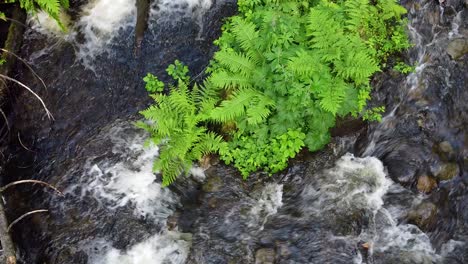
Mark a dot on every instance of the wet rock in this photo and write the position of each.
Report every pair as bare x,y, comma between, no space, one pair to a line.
424,215
445,150
426,184
173,220
447,172
457,48
265,256
283,249
213,184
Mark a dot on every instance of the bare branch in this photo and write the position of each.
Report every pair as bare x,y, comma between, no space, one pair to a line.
6,119
27,65
16,21
30,181
21,142
49,114
25,215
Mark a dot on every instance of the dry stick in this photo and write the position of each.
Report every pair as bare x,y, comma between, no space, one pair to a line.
21,143
9,252
49,114
23,216
27,65
6,119
30,181
16,21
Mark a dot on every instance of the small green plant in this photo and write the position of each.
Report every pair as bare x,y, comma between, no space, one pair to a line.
153,84
176,123
404,68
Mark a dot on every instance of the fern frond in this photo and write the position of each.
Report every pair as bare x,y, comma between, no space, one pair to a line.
229,81
234,107
248,38
235,62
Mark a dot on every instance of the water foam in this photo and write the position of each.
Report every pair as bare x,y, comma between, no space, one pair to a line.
130,180
270,200
170,247
125,178
101,21
355,185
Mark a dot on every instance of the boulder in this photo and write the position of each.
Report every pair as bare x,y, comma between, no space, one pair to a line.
457,48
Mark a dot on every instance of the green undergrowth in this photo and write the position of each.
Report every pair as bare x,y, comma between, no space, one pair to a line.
52,7
284,72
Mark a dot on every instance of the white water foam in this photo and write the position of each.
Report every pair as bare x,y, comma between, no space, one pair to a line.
129,181
357,184
169,247
125,178
44,24
101,21
270,200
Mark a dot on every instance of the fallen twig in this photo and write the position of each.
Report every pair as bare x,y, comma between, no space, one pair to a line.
49,114
27,65
30,181
25,215
21,143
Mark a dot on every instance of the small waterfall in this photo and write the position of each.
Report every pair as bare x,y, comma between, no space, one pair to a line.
125,179
103,21
358,188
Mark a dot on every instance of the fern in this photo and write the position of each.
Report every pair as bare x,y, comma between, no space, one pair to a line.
283,73
52,7
175,123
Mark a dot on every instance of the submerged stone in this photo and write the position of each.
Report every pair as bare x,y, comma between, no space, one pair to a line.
457,48
423,215
447,172
426,184
213,184
265,256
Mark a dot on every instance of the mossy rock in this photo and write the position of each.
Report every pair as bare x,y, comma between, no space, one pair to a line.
447,172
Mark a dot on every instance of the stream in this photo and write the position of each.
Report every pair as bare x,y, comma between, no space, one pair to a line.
392,192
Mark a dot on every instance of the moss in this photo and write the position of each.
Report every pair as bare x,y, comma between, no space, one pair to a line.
12,44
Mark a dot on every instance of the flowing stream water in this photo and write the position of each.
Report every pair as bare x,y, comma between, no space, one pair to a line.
327,207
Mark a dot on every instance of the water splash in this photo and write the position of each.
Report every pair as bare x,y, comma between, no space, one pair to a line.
129,179
100,23
356,188
167,248
103,21
353,184
270,200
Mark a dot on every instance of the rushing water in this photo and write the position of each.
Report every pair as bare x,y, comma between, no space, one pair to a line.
330,207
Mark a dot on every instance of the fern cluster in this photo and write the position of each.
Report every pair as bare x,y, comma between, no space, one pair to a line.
51,7
286,69
176,123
